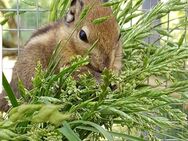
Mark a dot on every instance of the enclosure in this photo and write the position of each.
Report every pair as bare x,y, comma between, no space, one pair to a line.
152,99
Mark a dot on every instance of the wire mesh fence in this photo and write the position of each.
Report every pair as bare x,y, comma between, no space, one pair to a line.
26,16
30,15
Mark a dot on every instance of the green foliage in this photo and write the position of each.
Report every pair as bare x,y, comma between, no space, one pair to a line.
58,8
61,108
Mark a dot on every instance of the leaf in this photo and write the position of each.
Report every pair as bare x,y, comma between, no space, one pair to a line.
126,136
47,100
111,3
100,20
131,17
4,21
87,128
169,136
101,130
22,90
85,12
182,38
9,92
163,32
30,3
115,134
6,134
68,132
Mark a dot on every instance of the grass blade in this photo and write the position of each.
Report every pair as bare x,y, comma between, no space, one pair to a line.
9,92
96,126
68,132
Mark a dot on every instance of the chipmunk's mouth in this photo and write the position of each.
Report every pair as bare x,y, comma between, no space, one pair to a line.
97,74
91,67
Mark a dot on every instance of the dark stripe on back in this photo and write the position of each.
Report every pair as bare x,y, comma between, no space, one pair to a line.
42,30
46,28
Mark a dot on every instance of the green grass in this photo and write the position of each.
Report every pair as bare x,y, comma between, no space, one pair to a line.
61,108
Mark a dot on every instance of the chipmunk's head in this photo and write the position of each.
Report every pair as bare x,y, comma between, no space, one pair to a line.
107,52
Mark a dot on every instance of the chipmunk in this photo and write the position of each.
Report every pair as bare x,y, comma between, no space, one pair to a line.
106,54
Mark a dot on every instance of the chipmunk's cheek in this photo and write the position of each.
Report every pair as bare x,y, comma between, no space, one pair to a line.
102,62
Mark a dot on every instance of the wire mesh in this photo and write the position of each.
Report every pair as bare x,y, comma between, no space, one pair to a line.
27,16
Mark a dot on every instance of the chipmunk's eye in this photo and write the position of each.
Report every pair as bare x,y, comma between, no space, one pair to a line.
83,36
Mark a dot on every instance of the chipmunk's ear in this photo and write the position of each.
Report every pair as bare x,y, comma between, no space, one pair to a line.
74,11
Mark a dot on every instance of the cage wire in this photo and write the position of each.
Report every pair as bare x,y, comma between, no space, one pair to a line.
15,35
37,14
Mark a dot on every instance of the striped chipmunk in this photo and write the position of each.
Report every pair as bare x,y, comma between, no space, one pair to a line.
106,54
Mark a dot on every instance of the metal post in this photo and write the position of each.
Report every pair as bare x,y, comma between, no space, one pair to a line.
18,24
147,5
1,62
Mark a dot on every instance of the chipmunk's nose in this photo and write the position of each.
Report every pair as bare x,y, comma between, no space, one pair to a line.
105,63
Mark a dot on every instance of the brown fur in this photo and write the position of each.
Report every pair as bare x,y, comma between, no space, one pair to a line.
107,53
